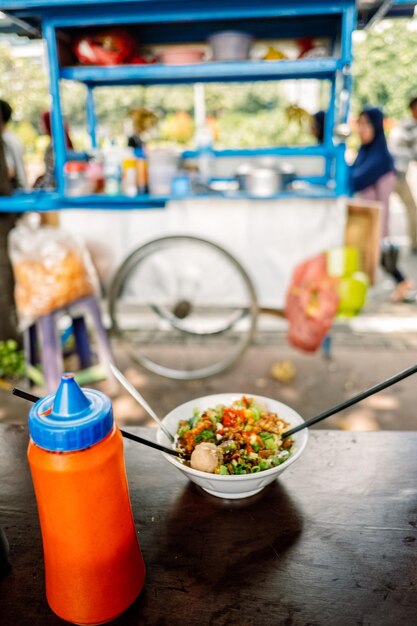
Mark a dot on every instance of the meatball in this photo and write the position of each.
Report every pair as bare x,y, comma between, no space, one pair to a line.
206,457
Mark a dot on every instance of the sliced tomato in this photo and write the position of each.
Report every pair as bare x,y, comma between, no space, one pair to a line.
231,417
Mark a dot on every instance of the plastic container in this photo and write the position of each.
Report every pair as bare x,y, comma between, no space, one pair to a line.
205,154
76,182
352,292
181,55
162,169
129,177
141,171
230,45
181,185
95,173
343,261
93,565
112,172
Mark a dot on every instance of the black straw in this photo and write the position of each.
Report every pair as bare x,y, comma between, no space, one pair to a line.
347,403
151,444
24,394
28,396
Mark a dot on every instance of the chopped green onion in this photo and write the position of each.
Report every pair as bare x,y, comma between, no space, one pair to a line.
270,443
207,434
264,434
194,419
256,411
219,410
182,430
277,459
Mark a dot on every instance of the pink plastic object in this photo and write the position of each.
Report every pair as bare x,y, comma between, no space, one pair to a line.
181,56
311,304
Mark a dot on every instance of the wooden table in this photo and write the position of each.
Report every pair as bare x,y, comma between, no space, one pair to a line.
333,542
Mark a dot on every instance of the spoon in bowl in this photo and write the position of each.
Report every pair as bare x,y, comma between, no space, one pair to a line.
140,399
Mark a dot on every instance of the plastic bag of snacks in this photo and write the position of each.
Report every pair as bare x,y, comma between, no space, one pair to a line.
108,47
51,269
312,303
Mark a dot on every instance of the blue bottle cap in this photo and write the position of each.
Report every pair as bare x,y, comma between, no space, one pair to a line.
70,419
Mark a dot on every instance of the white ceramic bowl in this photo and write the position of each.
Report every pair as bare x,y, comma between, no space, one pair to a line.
241,486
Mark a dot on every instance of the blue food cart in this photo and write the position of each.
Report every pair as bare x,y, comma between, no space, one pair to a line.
184,22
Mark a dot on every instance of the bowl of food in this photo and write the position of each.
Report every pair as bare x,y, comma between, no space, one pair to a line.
231,444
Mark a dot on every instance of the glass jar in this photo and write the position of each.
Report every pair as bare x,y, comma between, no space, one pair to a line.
75,178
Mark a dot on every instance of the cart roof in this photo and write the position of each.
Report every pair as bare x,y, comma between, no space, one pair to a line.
25,16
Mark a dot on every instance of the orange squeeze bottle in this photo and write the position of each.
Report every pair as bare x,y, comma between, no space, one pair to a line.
93,565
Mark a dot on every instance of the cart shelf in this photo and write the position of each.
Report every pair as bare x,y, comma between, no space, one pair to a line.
53,201
42,201
279,151
237,71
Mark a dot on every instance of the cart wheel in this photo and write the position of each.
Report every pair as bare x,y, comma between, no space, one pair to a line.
183,307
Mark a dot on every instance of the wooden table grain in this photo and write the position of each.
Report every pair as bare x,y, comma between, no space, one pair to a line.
332,543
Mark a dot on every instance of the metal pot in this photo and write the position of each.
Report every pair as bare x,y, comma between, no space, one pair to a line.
287,173
242,176
263,182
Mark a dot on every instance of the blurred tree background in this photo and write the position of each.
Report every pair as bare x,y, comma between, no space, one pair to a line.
242,114
385,67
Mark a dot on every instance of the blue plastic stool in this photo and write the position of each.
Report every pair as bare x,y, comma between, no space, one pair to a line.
48,351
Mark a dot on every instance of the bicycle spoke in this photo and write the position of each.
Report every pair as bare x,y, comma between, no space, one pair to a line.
218,324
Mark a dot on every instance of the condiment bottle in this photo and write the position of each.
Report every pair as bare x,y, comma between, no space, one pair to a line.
141,171
93,565
205,153
112,172
129,185
95,172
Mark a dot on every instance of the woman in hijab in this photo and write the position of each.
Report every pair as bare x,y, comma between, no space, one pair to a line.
373,177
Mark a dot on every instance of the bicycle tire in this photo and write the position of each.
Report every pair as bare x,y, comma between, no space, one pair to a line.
129,274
